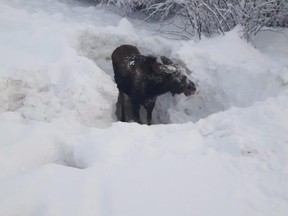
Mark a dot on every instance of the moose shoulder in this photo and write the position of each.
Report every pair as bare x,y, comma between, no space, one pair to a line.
143,78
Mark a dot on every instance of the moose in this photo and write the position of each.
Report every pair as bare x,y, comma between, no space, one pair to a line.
143,78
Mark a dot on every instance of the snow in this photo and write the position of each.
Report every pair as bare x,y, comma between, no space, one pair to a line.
220,152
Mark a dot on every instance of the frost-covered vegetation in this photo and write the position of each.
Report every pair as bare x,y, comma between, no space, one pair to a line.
209,17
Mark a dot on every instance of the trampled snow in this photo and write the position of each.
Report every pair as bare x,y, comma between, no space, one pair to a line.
220,152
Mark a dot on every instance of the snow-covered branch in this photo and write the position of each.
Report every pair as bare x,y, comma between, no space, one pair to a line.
210,17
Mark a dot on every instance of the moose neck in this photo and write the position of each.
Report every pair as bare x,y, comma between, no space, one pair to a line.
159,85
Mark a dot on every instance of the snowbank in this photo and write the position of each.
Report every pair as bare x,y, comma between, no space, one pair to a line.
229,72
43,77
233,162
62,153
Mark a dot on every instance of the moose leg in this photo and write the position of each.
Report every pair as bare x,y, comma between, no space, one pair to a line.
149,108
136,111
121,99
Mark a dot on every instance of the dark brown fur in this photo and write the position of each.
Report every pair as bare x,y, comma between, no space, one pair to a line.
143,78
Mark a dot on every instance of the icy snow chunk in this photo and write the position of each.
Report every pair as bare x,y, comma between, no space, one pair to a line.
132,63
126,26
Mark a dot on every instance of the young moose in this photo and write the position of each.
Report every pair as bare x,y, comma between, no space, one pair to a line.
143,78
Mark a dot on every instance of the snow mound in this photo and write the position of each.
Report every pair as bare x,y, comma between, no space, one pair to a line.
64,67
43,78
229,73
233,161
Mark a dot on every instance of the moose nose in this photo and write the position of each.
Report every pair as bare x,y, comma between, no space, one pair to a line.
192,86
191,89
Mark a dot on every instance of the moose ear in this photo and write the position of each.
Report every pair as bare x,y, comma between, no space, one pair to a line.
166,61
167,70
159,68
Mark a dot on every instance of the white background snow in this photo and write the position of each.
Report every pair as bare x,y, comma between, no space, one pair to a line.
224,151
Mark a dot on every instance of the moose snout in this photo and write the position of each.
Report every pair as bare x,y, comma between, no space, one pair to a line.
191,89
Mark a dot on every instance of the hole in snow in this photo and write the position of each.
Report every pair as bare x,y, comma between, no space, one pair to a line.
239,81
67,158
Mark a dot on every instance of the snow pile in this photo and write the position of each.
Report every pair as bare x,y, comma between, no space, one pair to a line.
229,72
43,77
234,162
62,153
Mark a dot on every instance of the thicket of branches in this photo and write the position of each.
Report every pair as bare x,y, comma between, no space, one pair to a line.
210,17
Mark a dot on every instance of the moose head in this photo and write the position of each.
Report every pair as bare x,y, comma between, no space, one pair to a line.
177,76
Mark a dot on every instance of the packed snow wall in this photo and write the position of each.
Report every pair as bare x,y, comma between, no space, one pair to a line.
227,70
60,66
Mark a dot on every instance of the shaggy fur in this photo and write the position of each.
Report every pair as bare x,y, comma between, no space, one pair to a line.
143,78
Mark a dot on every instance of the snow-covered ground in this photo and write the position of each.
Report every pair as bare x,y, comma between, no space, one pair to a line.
224,151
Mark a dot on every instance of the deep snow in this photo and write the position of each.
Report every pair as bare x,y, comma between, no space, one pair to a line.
224,151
